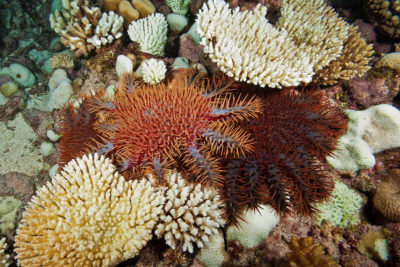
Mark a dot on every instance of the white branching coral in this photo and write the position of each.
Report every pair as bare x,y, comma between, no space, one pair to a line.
152,71
3,256
87,216
248,48
316,28
191,214
150,33
109,29
78,25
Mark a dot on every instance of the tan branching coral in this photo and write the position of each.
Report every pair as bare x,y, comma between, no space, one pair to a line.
190,215
387,199
386,15
87,216
315,28
353,62
3,256
306,253
62,60
248,48
83,27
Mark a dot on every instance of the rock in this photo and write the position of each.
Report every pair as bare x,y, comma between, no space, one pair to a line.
190,50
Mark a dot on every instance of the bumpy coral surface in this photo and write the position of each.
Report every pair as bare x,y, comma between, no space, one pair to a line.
295,133
343,207
184,121
191,214
385,14
386,199
87,216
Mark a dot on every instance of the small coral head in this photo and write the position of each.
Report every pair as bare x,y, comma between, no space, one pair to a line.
186,120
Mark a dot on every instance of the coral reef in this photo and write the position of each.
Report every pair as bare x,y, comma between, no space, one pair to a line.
183,122
386,198
87,212
150,33
191,214
342,209
62,60
295,133
305,253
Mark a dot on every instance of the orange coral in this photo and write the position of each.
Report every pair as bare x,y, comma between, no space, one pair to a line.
305,253
185,121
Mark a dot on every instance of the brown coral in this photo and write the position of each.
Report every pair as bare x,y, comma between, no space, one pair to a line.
385,14
387,197
353,61
62,60
306,253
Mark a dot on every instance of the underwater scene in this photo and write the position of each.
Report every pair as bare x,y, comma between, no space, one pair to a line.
200,133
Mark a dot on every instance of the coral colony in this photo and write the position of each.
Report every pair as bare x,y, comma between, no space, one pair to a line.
181,134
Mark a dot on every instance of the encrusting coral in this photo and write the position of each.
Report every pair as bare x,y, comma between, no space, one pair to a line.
150,33
3,256
191,214
286,168
62,60
183,122
306,253
315,28
83,27
248,48
88,215
386,198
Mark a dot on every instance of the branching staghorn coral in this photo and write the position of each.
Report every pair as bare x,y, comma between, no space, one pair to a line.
191,214
83,27
248,48
88,215
3,256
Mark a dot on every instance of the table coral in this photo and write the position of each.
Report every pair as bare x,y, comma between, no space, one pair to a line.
386,199
88,215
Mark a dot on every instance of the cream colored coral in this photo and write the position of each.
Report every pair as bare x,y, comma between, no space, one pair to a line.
150,33
390,60
3,256
353,62
248,48
109,29
191,214
62,60
152,71
315,28
88,215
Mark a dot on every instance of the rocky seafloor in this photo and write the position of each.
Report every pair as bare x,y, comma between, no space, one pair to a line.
28,152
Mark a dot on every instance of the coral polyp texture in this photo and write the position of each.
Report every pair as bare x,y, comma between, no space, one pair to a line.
3,256
184,122
191,214
78,135
88,215
248,48
386,198
293,136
